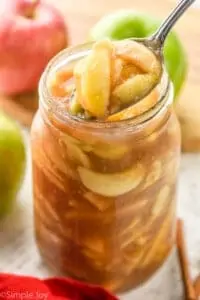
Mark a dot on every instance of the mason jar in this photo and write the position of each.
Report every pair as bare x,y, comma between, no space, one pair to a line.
104,192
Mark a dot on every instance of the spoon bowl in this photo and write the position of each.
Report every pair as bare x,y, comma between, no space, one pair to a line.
156,41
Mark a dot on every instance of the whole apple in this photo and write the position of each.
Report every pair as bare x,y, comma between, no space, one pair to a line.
31,33
127,23
12,162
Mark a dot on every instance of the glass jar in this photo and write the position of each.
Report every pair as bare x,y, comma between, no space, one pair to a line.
104,193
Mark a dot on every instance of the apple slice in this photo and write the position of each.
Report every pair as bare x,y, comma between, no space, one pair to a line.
110,151
66,138
112,185
160,238
95,244
77,155
130,228
78,73
133,88
155,173
99,202
146,61
139,55
57,83
161,202
129,70
96,79
137,109
55,89
85,146
64,75
74,151
121,71
116,69
74,106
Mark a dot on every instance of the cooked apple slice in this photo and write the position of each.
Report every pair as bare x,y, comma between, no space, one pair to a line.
160,238
49,172
64,75
121,72
69,89
161,202
172,167
74,106
99,202
146,61
132,259
110,151
61,91
133,88
55,88
69,139
94,245
154,174
132,208
116,69
57,83
139,55
73,148
137,109
128,71
77,155
96,79
112,185
78,73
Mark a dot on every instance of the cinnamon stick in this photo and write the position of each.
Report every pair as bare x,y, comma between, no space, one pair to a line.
197,286
184,263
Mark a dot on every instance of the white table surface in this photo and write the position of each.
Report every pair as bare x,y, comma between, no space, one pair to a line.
18,252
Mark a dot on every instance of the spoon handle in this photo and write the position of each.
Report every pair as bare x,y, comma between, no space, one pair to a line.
161,34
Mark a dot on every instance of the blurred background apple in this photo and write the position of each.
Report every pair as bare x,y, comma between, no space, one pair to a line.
31,33
12,162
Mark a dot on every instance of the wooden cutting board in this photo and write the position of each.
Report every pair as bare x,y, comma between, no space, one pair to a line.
82,14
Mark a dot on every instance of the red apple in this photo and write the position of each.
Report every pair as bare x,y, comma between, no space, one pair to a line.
31,33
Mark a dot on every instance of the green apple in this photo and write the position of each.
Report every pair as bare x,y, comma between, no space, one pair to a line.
127,23
12,162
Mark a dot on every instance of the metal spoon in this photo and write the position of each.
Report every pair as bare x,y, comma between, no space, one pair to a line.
157,40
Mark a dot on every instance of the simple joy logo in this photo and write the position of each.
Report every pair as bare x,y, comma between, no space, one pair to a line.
11,295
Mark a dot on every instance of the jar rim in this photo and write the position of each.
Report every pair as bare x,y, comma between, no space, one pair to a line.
58,110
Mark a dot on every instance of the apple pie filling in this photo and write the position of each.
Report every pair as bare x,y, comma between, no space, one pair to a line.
105,162
111,78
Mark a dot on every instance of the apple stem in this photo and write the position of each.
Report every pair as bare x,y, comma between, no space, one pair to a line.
26,7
